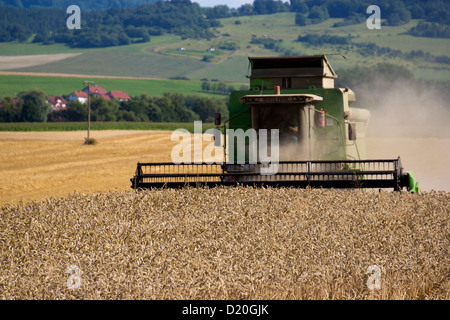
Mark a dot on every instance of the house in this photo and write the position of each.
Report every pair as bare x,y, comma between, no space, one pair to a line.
57,102
79,95
211,50
96,91
119,95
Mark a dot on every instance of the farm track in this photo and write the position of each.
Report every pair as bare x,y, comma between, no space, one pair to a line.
23,61
71,75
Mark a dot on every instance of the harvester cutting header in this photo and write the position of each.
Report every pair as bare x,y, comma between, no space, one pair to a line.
319,137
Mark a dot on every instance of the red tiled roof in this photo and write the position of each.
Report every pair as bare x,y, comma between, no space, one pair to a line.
119,95
95,90
57,102
54,100
80,94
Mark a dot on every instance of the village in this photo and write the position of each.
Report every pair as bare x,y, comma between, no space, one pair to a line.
113,105
58,102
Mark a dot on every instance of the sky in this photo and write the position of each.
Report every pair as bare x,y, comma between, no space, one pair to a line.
229,3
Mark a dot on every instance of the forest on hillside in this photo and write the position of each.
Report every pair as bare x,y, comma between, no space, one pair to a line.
117,24
84,4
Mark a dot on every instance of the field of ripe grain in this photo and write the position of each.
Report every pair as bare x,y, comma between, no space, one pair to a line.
227,243
91,237
38,165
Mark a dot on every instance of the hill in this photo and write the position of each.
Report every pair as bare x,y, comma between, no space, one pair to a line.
181,39
222,55
238,38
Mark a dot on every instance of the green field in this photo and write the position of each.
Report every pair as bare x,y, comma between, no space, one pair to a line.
77,126
28,48
160,58
10,85
105,63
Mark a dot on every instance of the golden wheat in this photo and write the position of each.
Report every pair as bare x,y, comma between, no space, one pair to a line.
227,243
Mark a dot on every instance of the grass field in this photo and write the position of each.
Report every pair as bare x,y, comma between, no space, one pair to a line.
160,58
121,64
27,48
10,85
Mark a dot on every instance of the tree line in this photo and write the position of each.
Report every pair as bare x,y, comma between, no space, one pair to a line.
353,11
105,28
125,22
84,4
395,13
370,49
32,106
219,87
431,30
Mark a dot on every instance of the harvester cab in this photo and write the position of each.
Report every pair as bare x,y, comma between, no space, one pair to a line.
312,131
296,96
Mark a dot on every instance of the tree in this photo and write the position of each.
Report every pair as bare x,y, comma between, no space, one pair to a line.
30,112
246,10
269,6
299,6
206,86
35,105
318,14
10,110
344,8
127,116
417,12
207,58
301,19
394,19
218,12
261,6
206,107
104,110
124,39
398,14
76,111
153,112
432,30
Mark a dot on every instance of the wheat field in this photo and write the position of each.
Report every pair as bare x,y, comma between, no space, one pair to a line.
227,243
71,228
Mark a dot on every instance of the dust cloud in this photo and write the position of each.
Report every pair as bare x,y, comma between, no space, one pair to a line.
411,121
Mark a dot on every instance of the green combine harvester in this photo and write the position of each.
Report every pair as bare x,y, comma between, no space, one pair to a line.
292,112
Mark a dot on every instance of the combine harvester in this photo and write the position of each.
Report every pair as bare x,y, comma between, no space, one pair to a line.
319,136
